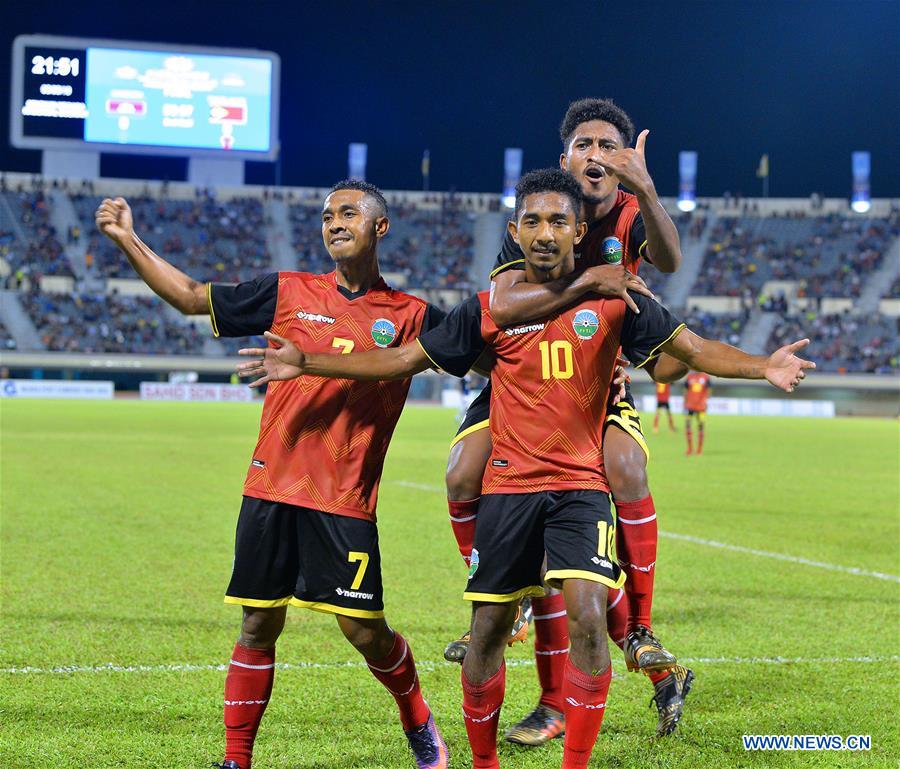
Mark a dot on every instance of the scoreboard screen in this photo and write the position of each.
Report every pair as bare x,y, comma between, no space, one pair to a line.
106,96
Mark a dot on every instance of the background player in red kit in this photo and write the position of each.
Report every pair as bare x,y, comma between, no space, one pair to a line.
596,135
696,395
663,393
306,534
544,490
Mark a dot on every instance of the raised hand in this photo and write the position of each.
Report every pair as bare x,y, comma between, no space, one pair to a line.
615,280
630,165
272,364
785,370
114,220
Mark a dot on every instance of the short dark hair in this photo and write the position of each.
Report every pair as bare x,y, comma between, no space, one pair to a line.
369,189
549,180
584,110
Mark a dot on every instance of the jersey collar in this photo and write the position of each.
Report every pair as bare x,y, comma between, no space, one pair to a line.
378,285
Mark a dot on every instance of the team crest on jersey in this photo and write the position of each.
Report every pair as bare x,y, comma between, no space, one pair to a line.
586,323
611,250
473,563
383,332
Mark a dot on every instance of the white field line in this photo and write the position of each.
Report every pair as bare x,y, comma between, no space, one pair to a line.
428,665
733,548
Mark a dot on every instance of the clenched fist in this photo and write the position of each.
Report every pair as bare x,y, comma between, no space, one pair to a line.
113,219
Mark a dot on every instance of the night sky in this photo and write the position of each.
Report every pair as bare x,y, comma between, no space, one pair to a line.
807,82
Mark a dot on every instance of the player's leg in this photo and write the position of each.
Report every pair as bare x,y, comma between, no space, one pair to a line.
688,432
672,427
701,429
340,573
579,538
625,458
656,418
262,582
506,566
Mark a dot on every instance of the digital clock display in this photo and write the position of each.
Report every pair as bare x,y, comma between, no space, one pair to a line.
133,97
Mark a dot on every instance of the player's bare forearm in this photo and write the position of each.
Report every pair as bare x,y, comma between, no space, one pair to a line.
185,294
667,369
513,300
392,363
663,243
715,358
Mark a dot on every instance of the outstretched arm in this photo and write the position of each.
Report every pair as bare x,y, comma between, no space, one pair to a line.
185,294
513,300
783,369
667,369
287,361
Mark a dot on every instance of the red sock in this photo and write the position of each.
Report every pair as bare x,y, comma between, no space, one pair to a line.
462,519
551,647
636,546
690,440
617,616
585,705
657,675
700,440
481,713
397,673
248,687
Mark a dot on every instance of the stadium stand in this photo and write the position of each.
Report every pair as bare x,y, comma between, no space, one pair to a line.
110,323
845,343
6,339
35,250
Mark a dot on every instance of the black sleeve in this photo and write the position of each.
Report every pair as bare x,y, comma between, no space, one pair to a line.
243,309
644,334
510,256
456,343
639,238
433,317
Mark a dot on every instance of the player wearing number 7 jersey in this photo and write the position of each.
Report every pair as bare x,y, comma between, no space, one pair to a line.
306,534
544,488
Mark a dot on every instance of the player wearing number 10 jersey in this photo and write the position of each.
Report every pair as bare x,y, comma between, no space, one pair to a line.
306,533
544,489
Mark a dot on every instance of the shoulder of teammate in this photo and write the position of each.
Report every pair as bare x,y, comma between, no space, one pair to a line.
243,309
509,258
643,334
456,342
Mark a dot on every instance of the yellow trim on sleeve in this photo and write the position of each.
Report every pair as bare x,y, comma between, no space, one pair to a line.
427,355
655,351
257,602
641,249
469,430
212,312
502,267
536,591
329,608
555,577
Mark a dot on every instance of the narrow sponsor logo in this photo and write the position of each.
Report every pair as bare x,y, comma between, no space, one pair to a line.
316,317
576,704
525,329
246,702
499,463
258,463
353,594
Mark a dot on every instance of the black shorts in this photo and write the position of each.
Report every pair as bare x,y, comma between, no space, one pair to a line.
576,529
699,413
624,415
478,415
285,554
663,405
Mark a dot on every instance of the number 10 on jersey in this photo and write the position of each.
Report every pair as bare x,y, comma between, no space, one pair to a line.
556,360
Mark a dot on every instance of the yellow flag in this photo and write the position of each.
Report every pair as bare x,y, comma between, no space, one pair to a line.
763,170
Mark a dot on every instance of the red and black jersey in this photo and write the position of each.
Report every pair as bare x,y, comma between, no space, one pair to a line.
696,391
322,441
549,384
624,221
663,391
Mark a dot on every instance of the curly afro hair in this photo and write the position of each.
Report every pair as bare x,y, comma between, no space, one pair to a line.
548,180
584,110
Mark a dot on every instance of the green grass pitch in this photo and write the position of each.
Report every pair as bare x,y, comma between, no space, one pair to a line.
117,525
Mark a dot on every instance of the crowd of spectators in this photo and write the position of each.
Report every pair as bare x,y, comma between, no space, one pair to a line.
830,256
894,291
6,339
725,327
211,240
95,323
844,343
41,253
